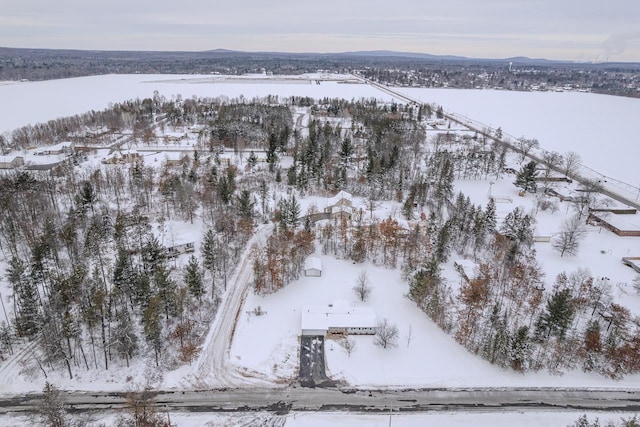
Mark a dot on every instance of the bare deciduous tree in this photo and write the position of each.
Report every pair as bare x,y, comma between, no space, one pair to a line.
588,198
571,162
386,334
525,146
349,345
568,240
362,288
551,160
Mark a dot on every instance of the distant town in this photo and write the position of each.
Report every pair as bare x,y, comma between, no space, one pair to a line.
392,68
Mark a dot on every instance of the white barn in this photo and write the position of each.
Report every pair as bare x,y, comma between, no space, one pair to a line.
313,267
338,318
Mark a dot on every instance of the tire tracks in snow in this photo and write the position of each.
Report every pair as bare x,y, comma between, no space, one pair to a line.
214,368
11,368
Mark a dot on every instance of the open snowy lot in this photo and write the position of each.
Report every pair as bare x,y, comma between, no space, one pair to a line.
425,355
311,419
35,102
603,129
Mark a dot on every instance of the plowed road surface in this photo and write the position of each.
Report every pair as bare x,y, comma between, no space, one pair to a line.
283,400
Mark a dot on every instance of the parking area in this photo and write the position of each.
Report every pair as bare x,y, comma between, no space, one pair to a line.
312,366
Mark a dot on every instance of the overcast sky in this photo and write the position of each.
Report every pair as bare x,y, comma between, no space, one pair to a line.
584,30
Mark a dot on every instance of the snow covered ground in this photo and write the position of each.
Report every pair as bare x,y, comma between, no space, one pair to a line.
565,121
35,102
311,419
425,356
603,129
268,344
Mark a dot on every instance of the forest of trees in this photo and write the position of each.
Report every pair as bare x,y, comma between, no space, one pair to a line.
92,283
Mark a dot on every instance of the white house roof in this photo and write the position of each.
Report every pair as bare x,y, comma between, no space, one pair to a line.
60,146
313,262
337,315
57,147
341,195
624,222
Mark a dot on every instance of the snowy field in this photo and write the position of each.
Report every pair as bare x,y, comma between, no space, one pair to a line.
35,102
425,356
320,419
603,129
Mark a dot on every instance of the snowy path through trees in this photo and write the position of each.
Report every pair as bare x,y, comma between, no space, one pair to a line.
214,367
12,368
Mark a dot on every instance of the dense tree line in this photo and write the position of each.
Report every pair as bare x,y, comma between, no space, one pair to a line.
92,282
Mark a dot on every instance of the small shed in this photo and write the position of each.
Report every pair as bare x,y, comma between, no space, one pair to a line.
183,248
313,267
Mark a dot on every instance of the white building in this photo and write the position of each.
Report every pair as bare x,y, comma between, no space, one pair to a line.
340,205
338,318
11,162
183,248
53,150
313,267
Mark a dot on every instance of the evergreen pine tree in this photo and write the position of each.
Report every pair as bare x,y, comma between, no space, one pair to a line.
245,205
443,243
153,326
526,178
165,288
520,349
153,255
193,278
208,250
490,216
558,315
125,340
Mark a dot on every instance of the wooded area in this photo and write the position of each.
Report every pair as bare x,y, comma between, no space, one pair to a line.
92,283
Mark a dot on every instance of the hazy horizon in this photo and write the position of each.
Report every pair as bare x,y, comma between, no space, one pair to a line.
556,30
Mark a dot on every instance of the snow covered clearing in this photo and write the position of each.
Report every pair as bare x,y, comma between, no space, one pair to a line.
311,419
425,355
36,102
601,128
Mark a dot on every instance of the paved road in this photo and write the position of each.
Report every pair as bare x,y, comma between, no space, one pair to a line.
284,400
